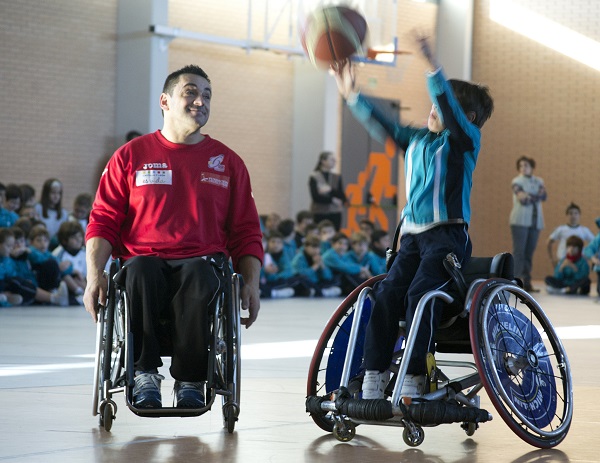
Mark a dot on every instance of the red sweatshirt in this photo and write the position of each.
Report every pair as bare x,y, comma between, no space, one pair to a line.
174,201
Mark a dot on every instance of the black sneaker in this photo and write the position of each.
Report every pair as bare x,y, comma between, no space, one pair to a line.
146,392
189,394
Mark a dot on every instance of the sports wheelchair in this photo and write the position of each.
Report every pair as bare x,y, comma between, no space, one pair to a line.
518,359
114,372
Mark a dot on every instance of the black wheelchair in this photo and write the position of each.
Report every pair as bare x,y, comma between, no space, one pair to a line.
517,358
114,372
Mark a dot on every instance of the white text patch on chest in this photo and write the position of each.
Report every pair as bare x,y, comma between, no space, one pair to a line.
153,177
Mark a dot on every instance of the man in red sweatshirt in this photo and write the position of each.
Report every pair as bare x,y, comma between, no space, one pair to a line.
175,205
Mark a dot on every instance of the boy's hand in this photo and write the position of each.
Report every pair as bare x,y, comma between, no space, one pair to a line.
425,47
344,77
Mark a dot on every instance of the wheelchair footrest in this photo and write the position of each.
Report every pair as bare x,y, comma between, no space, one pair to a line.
439,412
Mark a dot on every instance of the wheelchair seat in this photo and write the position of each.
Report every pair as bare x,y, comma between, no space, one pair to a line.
453,334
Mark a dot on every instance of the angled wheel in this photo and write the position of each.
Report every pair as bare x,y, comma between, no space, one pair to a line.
327,363
522,363
230,357
109,349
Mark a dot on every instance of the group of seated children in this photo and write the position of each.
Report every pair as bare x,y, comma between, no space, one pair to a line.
571,268
304,259
42,253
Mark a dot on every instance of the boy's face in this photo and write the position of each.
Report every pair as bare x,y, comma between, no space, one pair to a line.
13,204
340,246
40,243
434,122
274,245
360,247
326,233
573,216
80,212
75,242
311,250
573,250
7,246
20,245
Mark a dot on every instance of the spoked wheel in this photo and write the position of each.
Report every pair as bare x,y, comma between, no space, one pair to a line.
231,332
327,363
522,363
109,353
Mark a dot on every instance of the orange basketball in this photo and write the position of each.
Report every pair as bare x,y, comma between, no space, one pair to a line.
333,33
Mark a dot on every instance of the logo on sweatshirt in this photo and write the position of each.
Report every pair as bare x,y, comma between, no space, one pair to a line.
216,163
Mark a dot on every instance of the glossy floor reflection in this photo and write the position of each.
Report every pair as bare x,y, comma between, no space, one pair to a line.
46,366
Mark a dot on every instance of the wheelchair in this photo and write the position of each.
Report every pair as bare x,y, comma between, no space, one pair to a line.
114,371
517,358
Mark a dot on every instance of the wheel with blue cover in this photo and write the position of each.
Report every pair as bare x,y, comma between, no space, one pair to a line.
327,363
522,363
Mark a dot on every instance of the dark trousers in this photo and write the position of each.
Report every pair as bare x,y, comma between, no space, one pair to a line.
180,291
581,286
417,269
524,243
47,274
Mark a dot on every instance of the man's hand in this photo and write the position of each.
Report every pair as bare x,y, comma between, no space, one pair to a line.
250,302
95,293
250,270
344,77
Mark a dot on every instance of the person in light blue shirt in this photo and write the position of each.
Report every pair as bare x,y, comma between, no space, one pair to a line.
308,264
350,273
439,161
360,254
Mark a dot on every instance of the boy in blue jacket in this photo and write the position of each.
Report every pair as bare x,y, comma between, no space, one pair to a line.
571,275
438,162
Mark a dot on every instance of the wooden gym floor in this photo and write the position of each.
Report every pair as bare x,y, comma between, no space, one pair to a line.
46,367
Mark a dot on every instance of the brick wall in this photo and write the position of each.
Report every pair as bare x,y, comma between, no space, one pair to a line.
57,76
545,108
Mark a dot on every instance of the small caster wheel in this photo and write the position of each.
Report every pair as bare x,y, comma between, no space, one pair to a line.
413,437
108,410
230,416
344,431
469,428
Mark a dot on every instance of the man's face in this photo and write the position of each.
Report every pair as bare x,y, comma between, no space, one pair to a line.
189,105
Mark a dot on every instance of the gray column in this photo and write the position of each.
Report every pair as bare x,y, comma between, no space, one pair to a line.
455,37
142,65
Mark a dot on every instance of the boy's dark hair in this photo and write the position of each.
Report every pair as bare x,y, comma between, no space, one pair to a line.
27,192
17,232
286,227
274,234
359,237
377,235
172,78
5,233
25,224
530,161
68,229
132,134
300,216
38,230
575,241
325,223
84,200
339,236
474,98
573,206
13,191
312,241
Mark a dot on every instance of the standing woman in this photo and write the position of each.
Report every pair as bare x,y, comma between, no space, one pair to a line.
526,218
327,191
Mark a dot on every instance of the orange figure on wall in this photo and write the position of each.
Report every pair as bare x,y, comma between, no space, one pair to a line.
375,184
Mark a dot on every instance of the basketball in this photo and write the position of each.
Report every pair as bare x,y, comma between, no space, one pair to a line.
332,34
